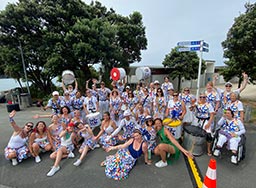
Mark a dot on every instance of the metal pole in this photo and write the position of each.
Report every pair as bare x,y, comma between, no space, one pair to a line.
199,69
24,67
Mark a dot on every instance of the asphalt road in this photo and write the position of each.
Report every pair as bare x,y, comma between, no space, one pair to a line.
89,174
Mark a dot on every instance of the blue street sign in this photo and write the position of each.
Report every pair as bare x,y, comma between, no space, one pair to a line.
205,50
188,43
189,49
206,45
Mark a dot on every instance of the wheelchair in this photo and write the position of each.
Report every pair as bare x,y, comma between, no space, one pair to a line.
240,150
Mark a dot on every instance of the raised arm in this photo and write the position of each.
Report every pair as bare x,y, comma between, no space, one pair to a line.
76,84
13,123
244,83
63,86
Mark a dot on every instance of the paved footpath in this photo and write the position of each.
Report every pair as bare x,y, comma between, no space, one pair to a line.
90,174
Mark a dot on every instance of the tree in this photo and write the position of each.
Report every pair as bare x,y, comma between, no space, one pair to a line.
240,46
183,65
66,34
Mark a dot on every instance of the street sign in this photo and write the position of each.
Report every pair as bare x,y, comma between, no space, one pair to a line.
188,46
205,50
189,49
188,43
206,45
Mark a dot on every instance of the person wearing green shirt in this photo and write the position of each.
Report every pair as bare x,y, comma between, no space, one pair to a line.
168,148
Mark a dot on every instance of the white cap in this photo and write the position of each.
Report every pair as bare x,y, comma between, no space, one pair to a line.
55,93
148,118
228,83
127,113
127,87
156,82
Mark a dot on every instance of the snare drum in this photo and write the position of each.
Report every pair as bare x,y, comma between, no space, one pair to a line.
68,77
174,126
194,139
93,119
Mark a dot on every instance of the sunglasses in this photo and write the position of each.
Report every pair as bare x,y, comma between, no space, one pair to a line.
202,97
30,126
186,90
228,85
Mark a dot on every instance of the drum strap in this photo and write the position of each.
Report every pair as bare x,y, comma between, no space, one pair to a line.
204,119
144,100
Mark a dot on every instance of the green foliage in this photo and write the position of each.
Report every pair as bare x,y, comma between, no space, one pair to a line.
240,46
67,34
183,65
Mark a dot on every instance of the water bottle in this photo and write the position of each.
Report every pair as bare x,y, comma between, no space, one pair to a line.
149,154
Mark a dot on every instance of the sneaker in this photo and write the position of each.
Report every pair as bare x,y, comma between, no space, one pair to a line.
53,171
161,164
97,146
14,162
234,159
77,163
37,159
71,155
216,153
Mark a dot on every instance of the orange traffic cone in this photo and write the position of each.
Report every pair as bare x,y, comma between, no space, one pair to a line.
210,177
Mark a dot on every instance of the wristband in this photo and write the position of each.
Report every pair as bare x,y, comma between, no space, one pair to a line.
11,119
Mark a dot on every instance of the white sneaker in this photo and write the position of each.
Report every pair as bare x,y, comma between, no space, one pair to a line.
77,163
161,164
37,159
216,153
14,162
234,159
97,146
71,155
53,171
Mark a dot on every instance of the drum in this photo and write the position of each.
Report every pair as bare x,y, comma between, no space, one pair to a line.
117,74
93,119
142,73
194,139
174,126
68,77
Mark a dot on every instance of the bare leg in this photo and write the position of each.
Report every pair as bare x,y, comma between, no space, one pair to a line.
59,155
84,152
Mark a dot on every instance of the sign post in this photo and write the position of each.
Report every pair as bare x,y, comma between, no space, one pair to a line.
190,46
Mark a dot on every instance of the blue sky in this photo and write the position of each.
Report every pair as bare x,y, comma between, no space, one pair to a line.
170,21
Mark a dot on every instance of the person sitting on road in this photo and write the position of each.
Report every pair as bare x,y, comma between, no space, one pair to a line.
65,150
40,140
89,142
230,131
169,148
119,165
108,126
55,129
17,149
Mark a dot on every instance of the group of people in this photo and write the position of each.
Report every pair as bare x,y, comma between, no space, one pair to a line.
130,122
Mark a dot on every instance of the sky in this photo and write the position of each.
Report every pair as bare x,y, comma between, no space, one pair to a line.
168,22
